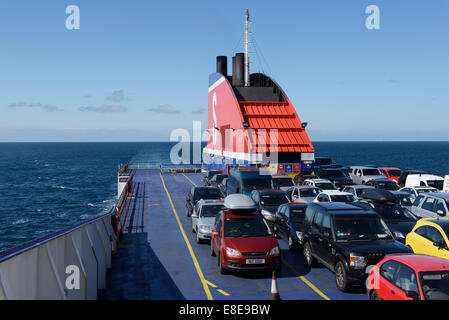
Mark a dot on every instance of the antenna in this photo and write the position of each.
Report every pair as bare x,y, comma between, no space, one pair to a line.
246,63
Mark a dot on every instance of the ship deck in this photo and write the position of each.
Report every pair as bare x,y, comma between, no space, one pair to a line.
158,257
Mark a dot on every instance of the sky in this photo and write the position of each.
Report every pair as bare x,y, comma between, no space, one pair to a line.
138,69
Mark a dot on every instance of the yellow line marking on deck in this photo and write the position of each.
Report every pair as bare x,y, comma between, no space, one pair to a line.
131,197
223,292
211,284
189,180
307,282
192,254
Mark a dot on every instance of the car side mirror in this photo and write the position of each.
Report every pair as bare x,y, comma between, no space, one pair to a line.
413,294
440,244
284,219
440,213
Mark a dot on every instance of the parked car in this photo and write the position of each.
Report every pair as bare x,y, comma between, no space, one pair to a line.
300,178
383,183
322,184
322,161
197,193
289,219
431,205
268,201
209,175
430,236
404,199
334,196
244,180
361,175
217,179
400,221
346,239
405,173
242,239
302,194
337,176
391,173
416,191
357,190
281,182
410,277
425,180
203,218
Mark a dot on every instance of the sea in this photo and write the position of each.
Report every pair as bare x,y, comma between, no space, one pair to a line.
46,187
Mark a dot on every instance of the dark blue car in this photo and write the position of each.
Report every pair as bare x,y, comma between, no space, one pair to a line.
288,223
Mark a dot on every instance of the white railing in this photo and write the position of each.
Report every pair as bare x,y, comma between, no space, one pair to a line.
70,264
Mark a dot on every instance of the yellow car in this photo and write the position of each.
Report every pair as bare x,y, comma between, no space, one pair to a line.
430,236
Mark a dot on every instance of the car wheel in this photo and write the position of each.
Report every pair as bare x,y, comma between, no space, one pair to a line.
223,270
212,252
374,295
308,255
341,277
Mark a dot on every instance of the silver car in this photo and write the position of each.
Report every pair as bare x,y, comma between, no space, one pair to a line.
302,194
203,218
431,205
361,175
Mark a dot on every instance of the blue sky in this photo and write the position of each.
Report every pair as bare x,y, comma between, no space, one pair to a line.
138,69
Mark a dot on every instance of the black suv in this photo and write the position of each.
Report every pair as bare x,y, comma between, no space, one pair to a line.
347,239
209,175
197,193
336,176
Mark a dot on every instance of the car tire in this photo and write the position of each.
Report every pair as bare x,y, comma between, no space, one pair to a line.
374,295
308,255
212,252
341,277
223,270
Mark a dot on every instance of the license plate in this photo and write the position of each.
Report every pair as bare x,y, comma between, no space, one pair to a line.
255,261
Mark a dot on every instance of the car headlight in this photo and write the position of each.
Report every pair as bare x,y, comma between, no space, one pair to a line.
232,252
275,251
267,214
299,235
357,261
205,229
398,234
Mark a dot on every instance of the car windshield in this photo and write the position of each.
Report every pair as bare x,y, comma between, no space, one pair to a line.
387,185
256,183
394,173
342,198
207,194
325,186
211,210
219,177
359,191
435,284
312,192
212,173
438,184
371,172
282,182
246,227
273,199
394,214
297,215
406,200
360,228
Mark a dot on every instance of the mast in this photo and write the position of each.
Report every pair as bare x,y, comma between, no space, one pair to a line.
246,62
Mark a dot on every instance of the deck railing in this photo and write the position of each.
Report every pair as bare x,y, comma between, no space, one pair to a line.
165,167
70,264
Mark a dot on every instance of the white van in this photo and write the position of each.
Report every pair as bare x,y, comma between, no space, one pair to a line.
424,180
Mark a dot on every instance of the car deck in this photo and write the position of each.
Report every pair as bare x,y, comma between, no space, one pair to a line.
158,257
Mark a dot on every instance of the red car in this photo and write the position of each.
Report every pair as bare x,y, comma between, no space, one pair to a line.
391,173
409,277
243,240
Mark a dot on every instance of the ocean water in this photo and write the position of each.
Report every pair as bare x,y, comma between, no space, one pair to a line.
45,187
